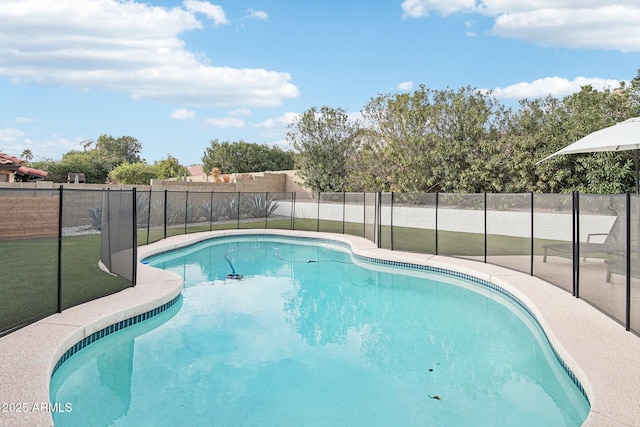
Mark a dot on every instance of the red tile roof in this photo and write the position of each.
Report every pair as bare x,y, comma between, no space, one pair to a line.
14,163
7,160
30,171
195,170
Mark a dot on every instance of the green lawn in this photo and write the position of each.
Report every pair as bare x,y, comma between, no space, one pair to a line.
29,287
30,281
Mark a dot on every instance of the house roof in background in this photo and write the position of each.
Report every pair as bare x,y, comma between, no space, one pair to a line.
195,170
13,163
10,162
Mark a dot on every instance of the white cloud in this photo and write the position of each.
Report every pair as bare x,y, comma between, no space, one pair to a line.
279,122
257,14
24,120
10,135
606,27
224,122
212,11
469,26
276,129
240,112
591,24
554,86
128,47
14,141
182,114
405,85
419,8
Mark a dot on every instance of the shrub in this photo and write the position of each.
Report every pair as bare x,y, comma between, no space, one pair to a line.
259,205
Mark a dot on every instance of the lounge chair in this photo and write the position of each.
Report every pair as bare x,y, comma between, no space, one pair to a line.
618,266
613,244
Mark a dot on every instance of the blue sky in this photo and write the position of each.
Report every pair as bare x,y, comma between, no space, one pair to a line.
178,74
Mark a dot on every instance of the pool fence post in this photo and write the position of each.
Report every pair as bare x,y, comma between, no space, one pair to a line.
576,244
293,210
149,215
186,210
60,206
166,205
318,214
628,262
364,214
436,220
378,217
211,211
532,246
108,227
134,213
391,222
238,212
485,227
266,209
344,202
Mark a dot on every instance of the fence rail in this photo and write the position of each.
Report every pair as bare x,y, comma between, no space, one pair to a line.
584,244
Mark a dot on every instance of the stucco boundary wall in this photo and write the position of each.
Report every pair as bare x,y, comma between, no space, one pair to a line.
547,225
260,182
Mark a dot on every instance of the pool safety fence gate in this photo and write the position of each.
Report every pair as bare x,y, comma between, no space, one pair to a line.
51,244
51,240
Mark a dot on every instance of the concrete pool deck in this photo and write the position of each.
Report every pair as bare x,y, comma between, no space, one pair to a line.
601,354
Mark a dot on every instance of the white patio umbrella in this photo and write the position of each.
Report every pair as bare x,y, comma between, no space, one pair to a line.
620,137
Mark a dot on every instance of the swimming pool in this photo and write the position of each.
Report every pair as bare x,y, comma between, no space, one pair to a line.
313,336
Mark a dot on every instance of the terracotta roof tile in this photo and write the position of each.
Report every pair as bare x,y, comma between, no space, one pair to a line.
30,171
195,170
14,163
6,159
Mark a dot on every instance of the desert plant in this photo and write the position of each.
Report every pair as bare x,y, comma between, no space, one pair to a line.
94,215
231,208
211,211
175,213
193,213
259,205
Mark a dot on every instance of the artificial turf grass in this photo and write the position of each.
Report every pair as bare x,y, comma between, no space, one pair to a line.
31,283
30,292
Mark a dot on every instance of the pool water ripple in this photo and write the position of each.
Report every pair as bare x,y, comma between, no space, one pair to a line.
313,336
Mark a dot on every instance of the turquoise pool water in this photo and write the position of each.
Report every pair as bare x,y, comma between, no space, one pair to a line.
311,337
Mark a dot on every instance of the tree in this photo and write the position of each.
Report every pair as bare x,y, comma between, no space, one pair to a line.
324,140
90,163
133,173
429,141
559,123
118,150
27,155
169,168
96,163
87,144
244,157
393,153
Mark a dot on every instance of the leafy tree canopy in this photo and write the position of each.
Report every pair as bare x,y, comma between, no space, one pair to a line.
91,163
138,173
465,141
170,168
96,161
324,139
244,157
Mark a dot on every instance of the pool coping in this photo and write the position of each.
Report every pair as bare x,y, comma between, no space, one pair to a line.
601,354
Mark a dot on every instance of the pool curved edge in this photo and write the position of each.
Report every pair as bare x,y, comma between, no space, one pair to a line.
600,353
30,355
